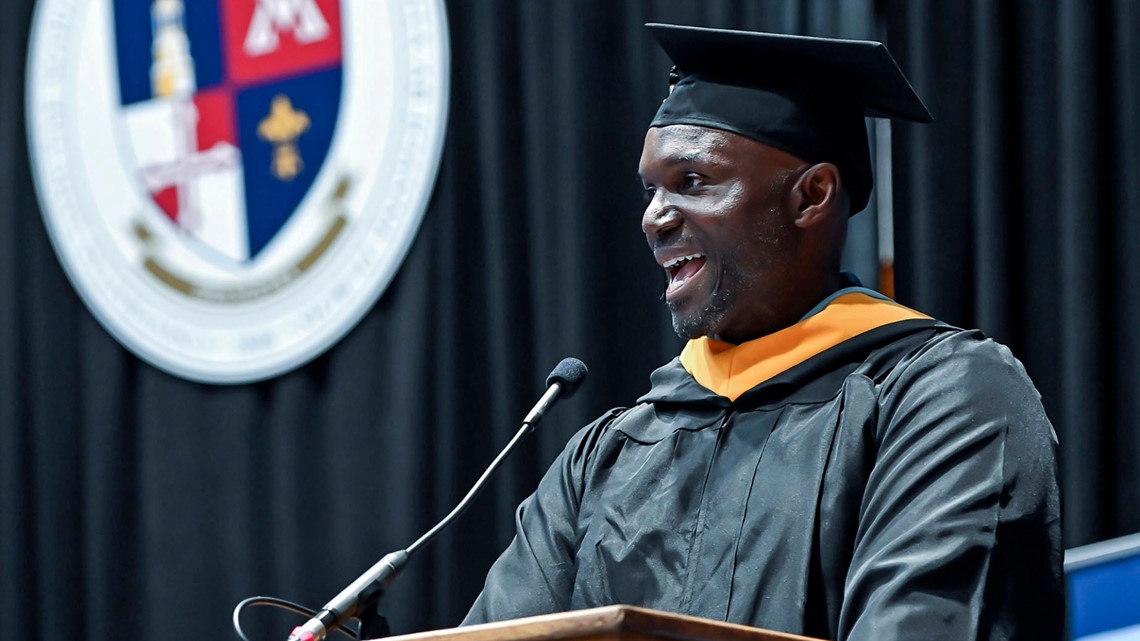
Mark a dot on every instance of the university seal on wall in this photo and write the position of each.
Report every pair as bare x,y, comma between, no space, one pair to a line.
231,184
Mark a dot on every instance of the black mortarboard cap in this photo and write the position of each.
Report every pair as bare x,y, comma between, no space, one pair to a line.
807,96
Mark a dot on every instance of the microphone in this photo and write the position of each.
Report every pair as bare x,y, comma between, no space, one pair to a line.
563,381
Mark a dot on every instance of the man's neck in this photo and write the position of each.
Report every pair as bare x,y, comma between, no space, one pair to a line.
806,299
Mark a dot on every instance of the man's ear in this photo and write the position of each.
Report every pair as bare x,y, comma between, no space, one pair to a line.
816,195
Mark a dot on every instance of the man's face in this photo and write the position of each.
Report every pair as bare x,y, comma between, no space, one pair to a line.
718,222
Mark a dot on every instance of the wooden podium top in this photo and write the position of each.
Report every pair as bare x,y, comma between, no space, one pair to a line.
611,623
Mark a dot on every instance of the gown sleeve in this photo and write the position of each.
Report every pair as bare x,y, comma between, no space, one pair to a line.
959,529
535,574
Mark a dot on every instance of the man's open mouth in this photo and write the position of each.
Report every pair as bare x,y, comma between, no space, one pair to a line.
680,271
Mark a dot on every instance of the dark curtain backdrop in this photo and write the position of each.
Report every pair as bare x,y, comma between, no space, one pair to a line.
137,505
1019,212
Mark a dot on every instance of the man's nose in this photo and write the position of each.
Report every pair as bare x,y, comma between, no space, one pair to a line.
659,218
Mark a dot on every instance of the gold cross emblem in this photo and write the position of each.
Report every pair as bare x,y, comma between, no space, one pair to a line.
281,128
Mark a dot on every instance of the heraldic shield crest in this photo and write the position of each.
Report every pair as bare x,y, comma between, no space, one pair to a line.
228,110
231,184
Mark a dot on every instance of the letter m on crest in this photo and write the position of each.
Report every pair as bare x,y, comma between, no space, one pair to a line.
302,18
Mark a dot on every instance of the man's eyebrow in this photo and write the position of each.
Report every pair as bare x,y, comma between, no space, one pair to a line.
686,158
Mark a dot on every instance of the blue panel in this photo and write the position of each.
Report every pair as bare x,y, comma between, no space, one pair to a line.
1105,596
269,200
134,36
205,33
132,44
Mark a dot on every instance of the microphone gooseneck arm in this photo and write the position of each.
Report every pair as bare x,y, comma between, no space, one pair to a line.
458,510
563,381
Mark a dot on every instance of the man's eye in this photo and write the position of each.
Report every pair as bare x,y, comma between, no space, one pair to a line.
649,192
691,181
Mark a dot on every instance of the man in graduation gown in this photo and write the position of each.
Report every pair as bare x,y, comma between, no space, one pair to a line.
819,459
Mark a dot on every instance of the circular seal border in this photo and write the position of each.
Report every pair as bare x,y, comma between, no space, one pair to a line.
149,314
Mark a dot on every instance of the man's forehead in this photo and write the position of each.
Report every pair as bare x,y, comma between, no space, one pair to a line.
694,134
691,140
684,144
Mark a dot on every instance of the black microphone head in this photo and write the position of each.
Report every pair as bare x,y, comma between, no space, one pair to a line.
569,373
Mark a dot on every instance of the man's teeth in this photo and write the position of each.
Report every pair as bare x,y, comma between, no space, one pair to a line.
677,262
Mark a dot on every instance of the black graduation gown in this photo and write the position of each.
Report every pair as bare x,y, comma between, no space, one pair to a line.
900,485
